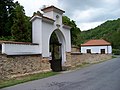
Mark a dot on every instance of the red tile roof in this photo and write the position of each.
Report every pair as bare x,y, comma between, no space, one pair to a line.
96,43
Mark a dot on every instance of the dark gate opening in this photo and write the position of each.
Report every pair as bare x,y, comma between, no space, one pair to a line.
55,49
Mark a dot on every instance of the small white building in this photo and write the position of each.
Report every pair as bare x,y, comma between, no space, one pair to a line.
96,46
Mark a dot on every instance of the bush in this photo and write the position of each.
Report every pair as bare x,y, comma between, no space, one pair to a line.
116,51
6,38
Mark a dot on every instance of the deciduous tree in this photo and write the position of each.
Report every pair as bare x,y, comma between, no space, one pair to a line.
20,29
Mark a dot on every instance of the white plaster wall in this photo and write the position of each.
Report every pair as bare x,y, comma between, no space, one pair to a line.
59,21
67,35
96,49
37,32
110,49
47,29
19,49
49,14
53,15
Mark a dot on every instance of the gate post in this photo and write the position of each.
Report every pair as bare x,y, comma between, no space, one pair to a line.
68,63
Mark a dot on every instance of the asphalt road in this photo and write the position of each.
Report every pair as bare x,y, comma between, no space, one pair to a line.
102,76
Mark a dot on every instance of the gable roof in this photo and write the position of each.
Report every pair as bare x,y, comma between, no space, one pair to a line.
52,8
44,18
100,42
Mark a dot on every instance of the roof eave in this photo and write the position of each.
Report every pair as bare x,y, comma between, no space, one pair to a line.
52,8
97,45
66,26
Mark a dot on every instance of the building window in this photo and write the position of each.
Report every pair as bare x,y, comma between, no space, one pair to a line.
88,50
102,51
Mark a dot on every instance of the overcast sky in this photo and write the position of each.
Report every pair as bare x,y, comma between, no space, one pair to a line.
87,13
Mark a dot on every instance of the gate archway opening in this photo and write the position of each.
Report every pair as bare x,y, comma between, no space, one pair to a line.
57,50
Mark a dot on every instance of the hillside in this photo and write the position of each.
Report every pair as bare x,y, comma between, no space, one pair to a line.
110,31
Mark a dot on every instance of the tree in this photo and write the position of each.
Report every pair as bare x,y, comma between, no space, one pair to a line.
75,31
20,29
6,7
116,39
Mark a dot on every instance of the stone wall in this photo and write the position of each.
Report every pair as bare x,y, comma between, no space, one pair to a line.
68,59
75,49
13,66
67,65
78,58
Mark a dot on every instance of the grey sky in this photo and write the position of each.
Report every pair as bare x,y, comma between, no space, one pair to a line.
87,13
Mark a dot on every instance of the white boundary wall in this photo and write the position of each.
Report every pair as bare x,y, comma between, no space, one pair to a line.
19,49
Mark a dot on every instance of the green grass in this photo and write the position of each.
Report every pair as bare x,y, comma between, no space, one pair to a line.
114,57
14,81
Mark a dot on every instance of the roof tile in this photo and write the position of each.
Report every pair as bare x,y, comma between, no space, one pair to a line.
100,42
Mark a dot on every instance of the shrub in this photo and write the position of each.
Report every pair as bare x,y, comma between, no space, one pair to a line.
116,51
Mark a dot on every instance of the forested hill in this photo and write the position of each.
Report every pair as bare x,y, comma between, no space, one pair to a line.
110,31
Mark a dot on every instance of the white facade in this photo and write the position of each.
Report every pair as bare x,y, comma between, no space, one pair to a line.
42,28
96,49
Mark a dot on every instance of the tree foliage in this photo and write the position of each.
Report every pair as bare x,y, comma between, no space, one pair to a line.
6,7
14,24
75,31
19,30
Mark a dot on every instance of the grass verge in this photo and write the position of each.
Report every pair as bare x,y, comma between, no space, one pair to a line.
14,81
87,64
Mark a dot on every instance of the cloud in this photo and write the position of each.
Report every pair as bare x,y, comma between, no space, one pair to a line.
90,13
86,13
86,26
31,6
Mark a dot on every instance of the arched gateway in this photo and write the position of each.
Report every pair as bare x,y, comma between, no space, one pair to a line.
43,26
